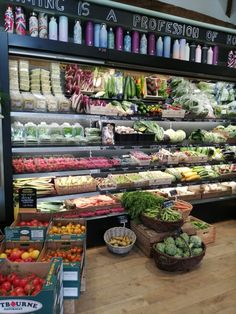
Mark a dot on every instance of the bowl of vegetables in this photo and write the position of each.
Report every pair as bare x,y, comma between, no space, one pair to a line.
119,240
179,253
162,219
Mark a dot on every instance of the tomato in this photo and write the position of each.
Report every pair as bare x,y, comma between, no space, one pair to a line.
31,277
6,285
35,292
16,282
23,282
19,291
2,278
11,277
42,281
13,293
15,255
36,281
38,287
3,292
28,288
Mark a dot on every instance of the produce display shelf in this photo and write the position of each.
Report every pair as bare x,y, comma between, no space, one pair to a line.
106,216
211,200
144,100
74,116
77,148
122,169
65,197
122,190
173,185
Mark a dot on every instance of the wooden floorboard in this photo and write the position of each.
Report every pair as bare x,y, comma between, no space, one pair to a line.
132,284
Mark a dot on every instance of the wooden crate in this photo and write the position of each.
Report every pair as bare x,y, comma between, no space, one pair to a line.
207,235
70,307
147,237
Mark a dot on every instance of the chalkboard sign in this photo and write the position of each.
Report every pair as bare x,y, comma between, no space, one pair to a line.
129,20
27,199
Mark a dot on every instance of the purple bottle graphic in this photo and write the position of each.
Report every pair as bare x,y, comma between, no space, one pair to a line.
119,38
151,44
89,34
215,55
135,42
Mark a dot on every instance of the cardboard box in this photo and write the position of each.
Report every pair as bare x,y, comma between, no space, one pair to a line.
48,301
71,271
208,235
21,245
65,237
17,233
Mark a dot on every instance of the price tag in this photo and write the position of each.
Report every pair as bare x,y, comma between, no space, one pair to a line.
27,199
123,219
168,204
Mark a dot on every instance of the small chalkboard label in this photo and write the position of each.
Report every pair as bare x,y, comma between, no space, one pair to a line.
123,219
27,199
168,204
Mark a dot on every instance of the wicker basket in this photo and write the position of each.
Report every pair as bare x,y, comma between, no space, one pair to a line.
185,213
170,263
119,232
159,225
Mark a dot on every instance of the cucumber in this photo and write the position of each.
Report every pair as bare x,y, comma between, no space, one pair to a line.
129,93
125,88
133,87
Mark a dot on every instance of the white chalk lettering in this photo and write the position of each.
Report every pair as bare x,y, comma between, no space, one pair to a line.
112,16
136,20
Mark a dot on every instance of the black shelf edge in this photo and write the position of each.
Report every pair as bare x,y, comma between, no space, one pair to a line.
33,114
123,59
213,200
56,47
171,66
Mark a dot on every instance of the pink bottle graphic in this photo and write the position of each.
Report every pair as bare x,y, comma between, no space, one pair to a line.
20,21
9,20
135,42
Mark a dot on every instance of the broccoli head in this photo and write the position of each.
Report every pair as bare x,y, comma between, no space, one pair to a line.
185,236
160,247
197,251
196,241
179,252
186,254
170,249
177,256
169,240
180,243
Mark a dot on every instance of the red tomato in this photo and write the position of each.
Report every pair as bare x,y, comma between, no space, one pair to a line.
11,277
3,292
13,293
16,282
15,255
23,282
35,292
19,291
6,286
36,281
28,288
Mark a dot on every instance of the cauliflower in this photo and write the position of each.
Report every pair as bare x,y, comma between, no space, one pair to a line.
169,240
180,243
196,242
170,249
197,251
160,247
185,236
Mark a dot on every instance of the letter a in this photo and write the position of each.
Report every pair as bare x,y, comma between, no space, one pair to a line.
111,16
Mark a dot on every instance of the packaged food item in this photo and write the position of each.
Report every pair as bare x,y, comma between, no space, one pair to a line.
17,131
67,130
16,100
64,104
78,130
44,133
40,103
108,134
56,132
52,103
28,101
30,131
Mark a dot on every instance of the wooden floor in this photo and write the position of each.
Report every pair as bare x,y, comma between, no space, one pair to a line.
132,284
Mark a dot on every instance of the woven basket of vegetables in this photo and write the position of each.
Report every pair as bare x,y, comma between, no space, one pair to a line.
162,219
119,240
180,253
183,207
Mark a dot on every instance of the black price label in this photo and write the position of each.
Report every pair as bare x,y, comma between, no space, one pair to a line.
123,219
28,198
168,204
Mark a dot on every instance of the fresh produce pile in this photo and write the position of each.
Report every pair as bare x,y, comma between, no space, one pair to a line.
18,285
93,201
137,202
180,247
19,255
33,223
165,214
44,186
69,255
120,241
70,228
200,225
203,136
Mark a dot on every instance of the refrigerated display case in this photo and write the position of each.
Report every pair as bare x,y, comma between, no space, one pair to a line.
47,143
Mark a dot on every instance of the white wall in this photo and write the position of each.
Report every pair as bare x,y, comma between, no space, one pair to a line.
213,8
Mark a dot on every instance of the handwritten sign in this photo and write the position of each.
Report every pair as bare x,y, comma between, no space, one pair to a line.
27,199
